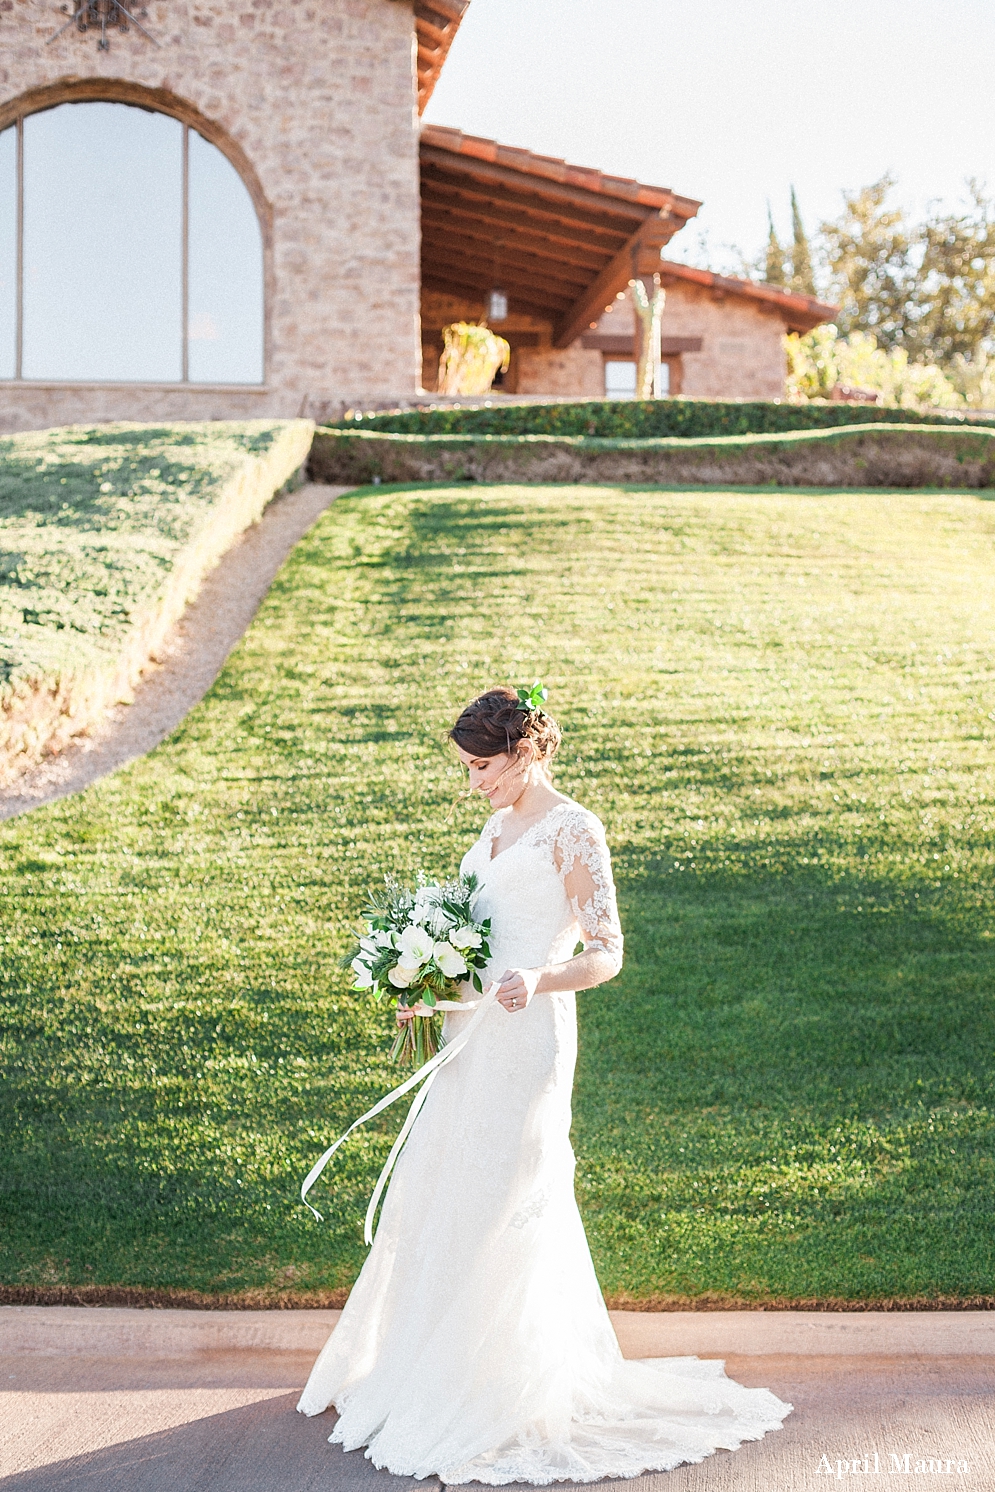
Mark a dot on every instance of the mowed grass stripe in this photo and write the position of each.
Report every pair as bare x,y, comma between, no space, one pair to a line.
780,704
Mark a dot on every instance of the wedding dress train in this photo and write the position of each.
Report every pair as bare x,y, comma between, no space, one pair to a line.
475,1345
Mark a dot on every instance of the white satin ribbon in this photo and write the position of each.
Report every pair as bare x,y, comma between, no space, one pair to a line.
427,1073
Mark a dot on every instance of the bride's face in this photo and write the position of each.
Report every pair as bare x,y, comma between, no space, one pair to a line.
502,778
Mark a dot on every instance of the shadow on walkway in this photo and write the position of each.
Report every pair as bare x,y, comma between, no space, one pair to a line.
845,1408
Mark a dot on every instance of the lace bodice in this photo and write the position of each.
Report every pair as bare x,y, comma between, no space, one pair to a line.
572,840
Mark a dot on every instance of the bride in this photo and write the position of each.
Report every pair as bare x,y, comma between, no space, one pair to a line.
476,1345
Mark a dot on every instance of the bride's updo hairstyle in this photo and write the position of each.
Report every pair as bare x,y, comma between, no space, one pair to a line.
495,722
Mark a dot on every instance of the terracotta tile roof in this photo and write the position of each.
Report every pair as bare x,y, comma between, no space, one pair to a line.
586,178
800,312
436,23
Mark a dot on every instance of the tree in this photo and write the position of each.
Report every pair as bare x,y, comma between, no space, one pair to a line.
802,278
955,291
773,269
869,254
649,311
928,287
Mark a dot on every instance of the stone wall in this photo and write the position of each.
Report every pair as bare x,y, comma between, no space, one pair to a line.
573,371
742,352
318,102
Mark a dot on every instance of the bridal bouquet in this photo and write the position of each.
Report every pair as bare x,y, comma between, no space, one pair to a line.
418,946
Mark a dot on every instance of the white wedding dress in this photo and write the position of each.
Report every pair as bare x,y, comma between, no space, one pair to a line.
475,1344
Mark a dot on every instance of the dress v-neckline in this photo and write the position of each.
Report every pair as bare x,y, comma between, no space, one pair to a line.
528,830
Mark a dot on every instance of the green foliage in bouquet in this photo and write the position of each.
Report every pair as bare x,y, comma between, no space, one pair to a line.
418,947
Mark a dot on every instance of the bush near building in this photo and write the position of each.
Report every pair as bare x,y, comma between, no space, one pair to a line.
824,365
634,419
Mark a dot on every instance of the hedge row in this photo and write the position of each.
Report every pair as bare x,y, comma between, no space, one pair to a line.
868,456
647,419
105,535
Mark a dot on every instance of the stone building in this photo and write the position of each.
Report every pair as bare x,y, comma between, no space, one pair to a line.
215,210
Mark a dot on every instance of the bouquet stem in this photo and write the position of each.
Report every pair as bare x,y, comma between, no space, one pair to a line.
418,1040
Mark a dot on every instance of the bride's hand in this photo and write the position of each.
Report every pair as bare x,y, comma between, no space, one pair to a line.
516,988
406,1013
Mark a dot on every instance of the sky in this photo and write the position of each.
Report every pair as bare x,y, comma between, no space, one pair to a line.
734,101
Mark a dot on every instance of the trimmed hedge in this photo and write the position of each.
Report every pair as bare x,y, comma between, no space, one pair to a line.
105,535
647,419
865,456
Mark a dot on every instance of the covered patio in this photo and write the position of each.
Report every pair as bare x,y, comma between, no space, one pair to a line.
554,246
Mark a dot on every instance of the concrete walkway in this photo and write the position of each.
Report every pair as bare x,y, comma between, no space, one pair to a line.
202,1401
190,661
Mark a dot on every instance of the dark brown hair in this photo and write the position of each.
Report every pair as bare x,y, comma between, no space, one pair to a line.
495,722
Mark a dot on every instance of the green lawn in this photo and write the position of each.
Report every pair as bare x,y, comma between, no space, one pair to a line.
783,707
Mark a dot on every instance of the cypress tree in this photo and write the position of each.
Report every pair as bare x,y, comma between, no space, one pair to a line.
774,263
802,278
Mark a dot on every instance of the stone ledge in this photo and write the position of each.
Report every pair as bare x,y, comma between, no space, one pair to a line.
82,1331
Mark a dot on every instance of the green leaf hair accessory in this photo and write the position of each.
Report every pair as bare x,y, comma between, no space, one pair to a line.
534,698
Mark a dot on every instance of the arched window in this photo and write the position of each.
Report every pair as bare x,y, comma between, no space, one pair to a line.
130,251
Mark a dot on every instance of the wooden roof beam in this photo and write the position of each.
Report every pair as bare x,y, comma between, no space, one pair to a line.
539,186
496,231
427,33
480,208
514,243
589,214
436,24
551,168
554,295
441,10
640,256
553,298
563,292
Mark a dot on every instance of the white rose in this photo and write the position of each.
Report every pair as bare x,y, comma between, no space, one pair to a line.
400,976
465,937
451,963
364,978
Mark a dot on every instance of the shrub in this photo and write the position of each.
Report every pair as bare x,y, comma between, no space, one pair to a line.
823,360
634,419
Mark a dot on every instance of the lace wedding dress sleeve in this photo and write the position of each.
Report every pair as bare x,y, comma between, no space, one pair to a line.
584,864
475,1345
